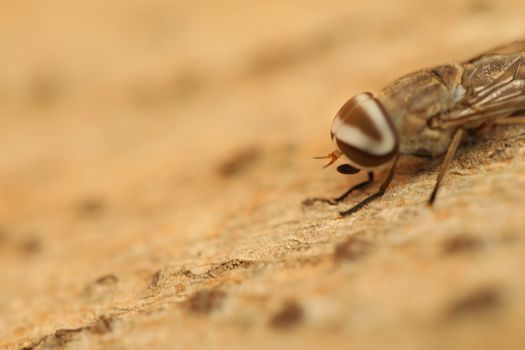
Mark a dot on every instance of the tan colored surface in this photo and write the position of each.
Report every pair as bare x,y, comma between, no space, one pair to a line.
155,155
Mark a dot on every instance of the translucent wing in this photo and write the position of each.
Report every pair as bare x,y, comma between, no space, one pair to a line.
493,85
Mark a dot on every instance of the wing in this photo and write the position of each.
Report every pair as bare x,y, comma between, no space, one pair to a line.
492,87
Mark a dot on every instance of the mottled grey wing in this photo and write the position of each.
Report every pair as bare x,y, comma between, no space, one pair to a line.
494,87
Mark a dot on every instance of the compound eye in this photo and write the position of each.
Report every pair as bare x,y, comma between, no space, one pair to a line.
362,130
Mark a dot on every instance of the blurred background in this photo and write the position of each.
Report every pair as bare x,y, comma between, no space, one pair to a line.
133,133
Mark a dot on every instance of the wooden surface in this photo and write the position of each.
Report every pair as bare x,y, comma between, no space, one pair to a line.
155,154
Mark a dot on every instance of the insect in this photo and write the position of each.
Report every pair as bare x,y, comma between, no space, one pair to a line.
427,113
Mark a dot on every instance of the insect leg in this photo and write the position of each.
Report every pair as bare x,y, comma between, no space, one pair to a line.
451,151
381,192
356,187
334,201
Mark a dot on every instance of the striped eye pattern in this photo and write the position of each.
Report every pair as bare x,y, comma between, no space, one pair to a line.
362,130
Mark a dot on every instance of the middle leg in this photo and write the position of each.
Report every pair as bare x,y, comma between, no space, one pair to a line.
452,148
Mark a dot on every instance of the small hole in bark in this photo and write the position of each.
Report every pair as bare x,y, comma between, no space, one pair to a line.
480,300
102,325
205,301
62,337
239,162
290,315
461,244
101,287
91,207
106,280
31,245
3,235
354,248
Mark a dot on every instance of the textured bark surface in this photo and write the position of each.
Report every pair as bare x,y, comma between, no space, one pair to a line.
154,160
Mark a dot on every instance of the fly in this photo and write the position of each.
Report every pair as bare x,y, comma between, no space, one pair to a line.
427,113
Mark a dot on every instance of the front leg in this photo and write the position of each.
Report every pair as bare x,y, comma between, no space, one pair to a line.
342,197
378,194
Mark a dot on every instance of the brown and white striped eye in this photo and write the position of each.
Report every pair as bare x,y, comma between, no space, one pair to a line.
363,131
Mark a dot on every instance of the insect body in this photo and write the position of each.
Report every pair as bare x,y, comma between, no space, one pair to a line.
427,113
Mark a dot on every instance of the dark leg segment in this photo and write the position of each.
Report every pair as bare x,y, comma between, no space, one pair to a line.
381,192
452,148
334,201
356,187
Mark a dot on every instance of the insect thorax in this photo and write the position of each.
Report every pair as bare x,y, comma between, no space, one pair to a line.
413,100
